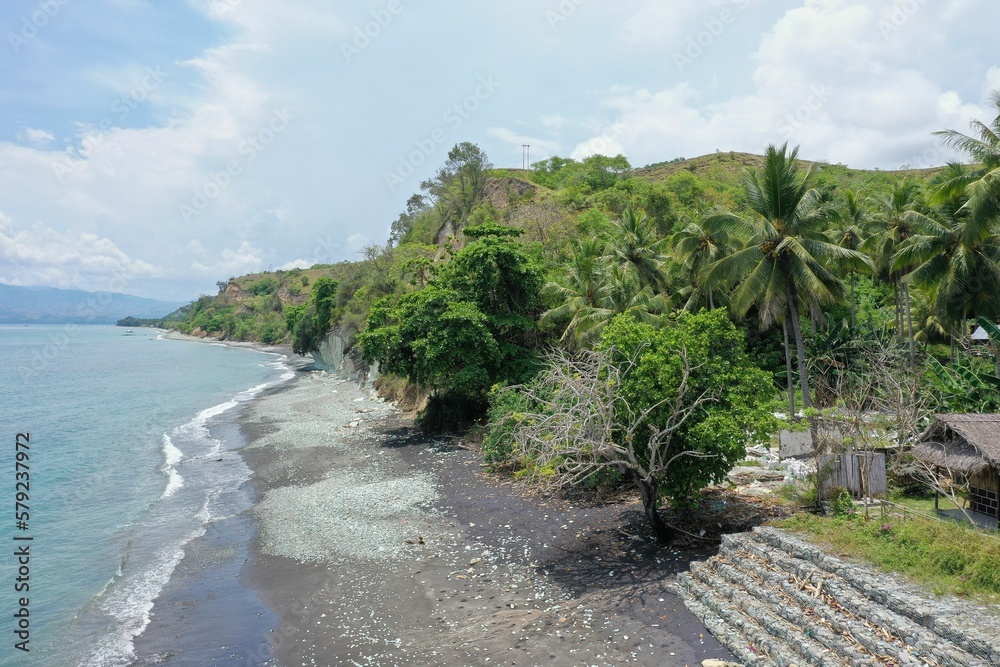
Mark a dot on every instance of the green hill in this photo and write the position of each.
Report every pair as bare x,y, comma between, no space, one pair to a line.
556,203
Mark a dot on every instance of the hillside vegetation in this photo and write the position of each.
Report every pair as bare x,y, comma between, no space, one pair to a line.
606,324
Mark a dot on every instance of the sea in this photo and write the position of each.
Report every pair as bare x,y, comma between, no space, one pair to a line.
124,468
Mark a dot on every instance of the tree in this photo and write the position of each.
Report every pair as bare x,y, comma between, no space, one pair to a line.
634,245
888,231
310,322
467,330
669,409
596,289
458,186
579,296
696,247
980,185
849,233
786,258
953,256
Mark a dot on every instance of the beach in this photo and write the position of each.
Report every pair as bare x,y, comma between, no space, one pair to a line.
369,543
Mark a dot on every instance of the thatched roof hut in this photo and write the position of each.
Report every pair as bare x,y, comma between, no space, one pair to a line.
968,444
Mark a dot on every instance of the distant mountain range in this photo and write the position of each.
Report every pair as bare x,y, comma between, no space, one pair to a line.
48,305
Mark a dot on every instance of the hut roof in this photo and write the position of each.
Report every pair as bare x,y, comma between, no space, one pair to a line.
976,447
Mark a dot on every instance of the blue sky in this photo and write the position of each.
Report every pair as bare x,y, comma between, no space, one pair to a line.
155,148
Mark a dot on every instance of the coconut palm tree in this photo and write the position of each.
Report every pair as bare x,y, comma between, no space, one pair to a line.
696,246
953,254
581,292
633,244
888,231
981,184
848,232
594,290
786,259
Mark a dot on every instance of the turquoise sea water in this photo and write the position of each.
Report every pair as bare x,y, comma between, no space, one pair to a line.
124,471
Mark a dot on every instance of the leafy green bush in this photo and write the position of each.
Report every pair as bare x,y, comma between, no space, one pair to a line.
463,332
264,286
507,408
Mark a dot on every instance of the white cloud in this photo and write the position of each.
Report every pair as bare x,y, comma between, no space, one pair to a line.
868,110
553,122
300,263
44,256
245,259
538,145
37,137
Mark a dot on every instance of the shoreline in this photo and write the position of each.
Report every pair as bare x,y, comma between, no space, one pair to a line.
204,614
425,560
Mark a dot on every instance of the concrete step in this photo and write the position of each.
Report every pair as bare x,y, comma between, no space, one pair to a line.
816,646
741,634
773,599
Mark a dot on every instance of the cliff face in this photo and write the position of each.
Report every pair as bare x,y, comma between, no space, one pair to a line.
335,357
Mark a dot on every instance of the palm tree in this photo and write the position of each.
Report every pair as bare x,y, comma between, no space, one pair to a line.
953,254
580,294
596,289
980,185
696,246
786,257
888,231
849,233
633,244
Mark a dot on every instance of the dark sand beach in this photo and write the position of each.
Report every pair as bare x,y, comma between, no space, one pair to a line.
372,544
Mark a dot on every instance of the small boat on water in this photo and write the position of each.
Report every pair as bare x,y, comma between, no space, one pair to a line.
129,333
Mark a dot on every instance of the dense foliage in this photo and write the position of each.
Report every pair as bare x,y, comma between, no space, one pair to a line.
806,265
466,330
739,393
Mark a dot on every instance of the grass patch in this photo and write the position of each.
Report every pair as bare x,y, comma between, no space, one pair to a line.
925,505
946,556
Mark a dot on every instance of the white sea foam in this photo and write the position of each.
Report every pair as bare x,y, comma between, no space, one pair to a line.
128,597
130,602
172,456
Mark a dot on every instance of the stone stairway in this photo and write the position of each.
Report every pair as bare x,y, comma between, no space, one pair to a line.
773,599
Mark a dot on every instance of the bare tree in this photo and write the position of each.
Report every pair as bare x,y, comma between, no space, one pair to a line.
578,424
882,404
951,484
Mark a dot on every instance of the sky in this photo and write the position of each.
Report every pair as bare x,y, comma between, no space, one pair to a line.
155,148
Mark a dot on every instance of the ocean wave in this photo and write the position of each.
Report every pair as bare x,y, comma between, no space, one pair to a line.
172,456
130,601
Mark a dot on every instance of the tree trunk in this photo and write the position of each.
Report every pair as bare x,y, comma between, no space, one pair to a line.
909,327
899,309
664,533
800,348
711,302
788,371
854,320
